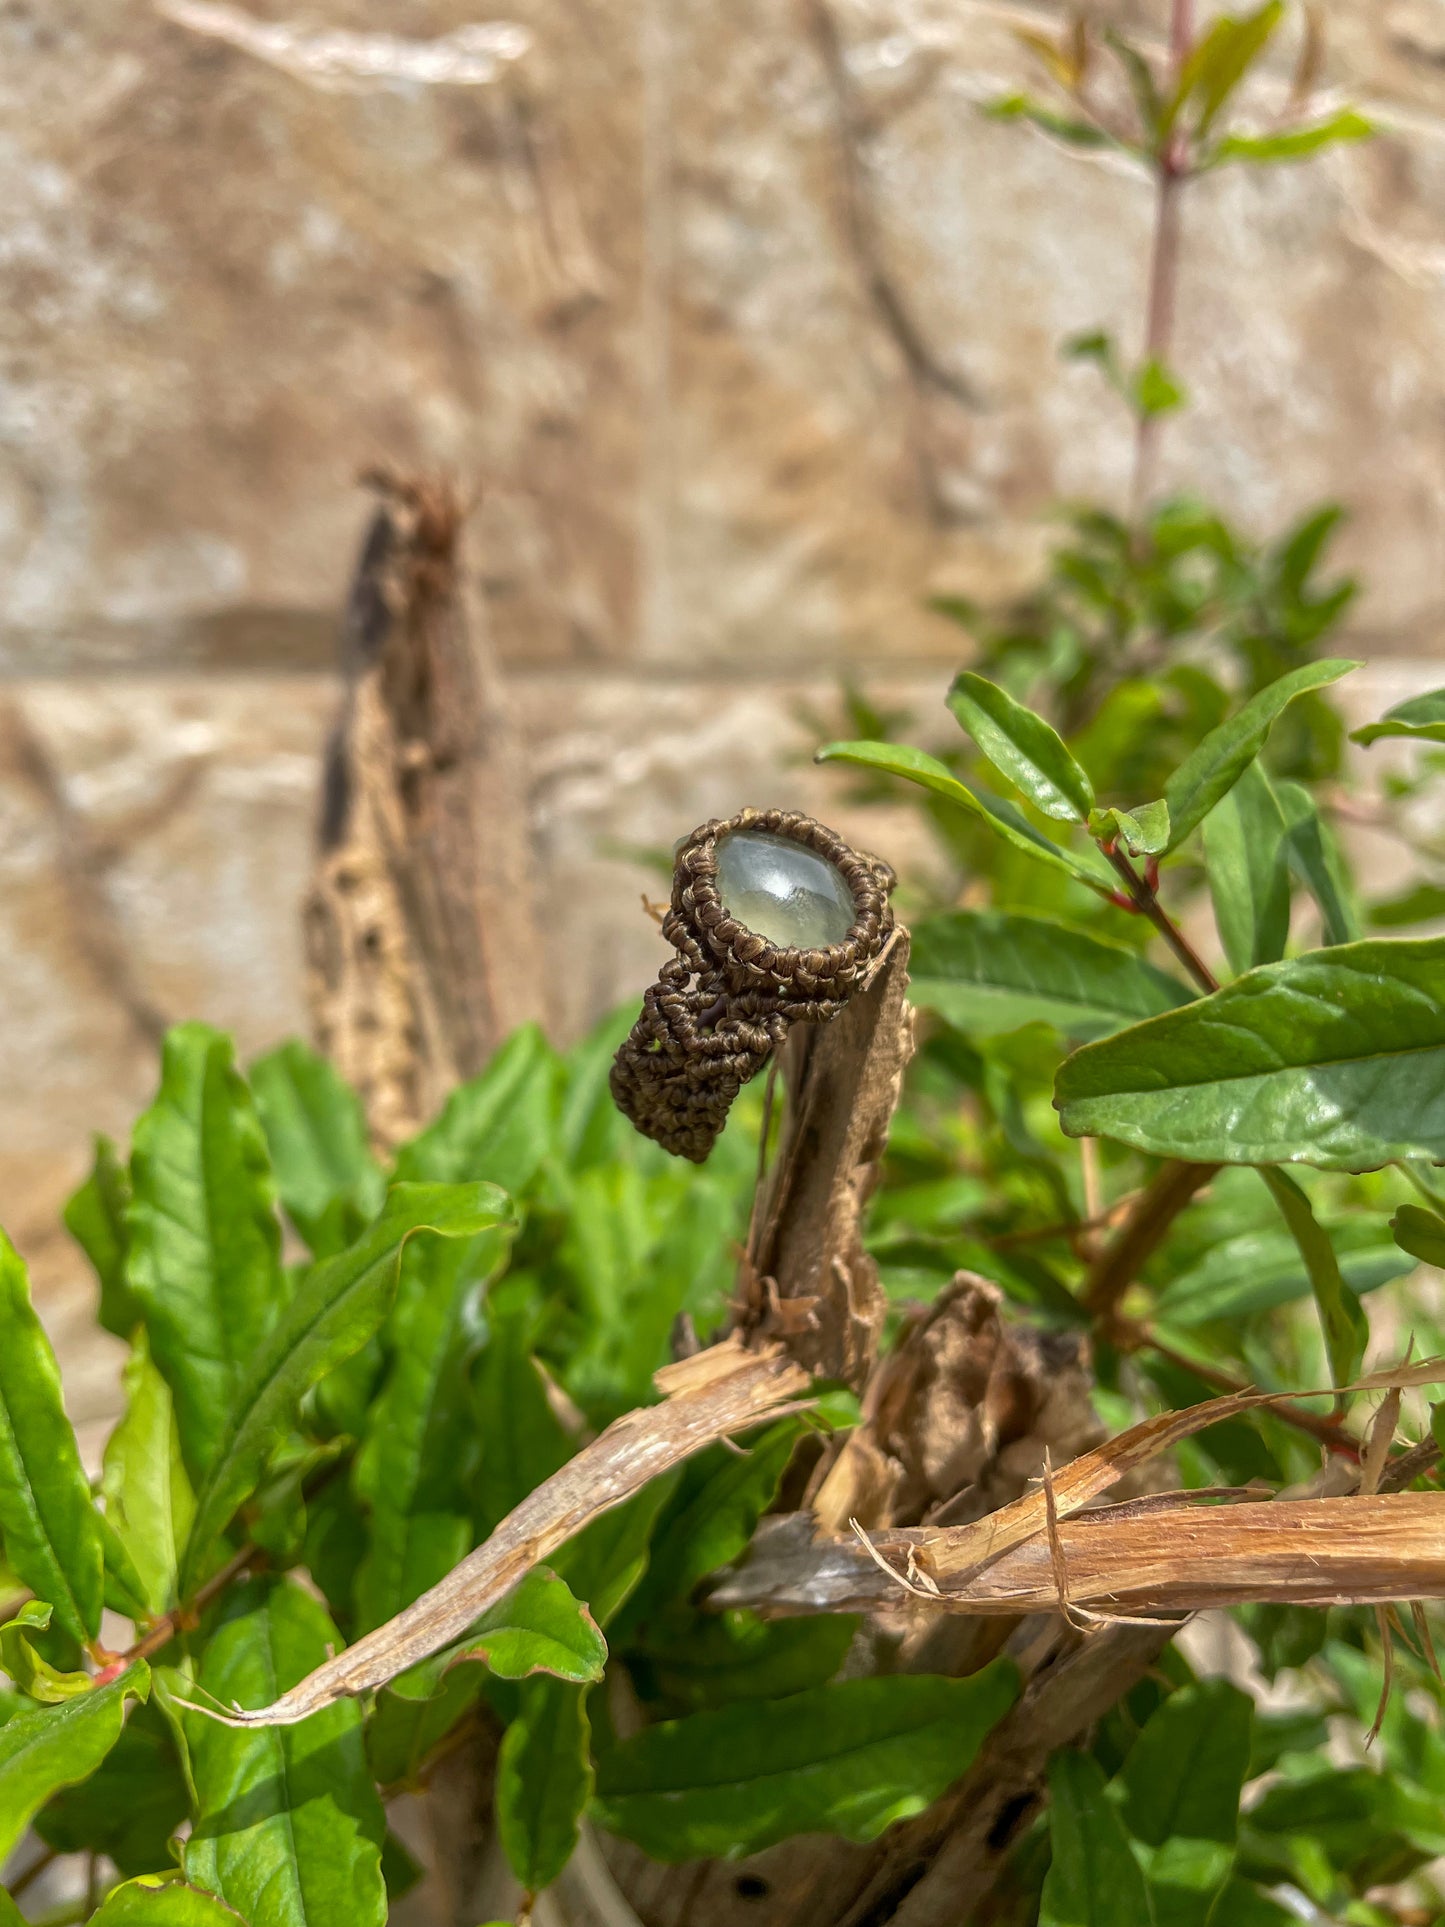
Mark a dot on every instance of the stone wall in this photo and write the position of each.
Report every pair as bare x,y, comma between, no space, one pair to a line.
743,323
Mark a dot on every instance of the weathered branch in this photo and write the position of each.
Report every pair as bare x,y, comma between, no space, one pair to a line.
420,937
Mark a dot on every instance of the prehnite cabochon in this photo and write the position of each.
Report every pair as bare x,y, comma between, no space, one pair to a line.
783,891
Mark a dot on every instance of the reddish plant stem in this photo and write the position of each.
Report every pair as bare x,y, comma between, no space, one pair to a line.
1328,1430
1172,168
1146,902
1142,1232
247,1560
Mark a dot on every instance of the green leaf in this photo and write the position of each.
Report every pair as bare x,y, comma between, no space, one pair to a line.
712,1515
148,1497
1144,830
1026,751
204,1260
404,1730
342,1302
30,1670
1183,1775
1244,853
1093,1878
55,1746
1342,1318
418,1449
288,1826
328,1180
989,971
850,1758
1062,127
1215,765
1421,719
497,1126
901,759
1155,391
50,1527
1256,1270
1296,143
1221,58
522,1440
1335,1059
538,1628
155,1901
544,1781
96,1217
1421,1233
607,1559
132,1804
1314,856
714,1658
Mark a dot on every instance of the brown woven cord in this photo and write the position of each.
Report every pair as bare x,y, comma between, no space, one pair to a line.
724,1004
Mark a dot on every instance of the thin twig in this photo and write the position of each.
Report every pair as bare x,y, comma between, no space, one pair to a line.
33,1872
1142,1232
1146,901
246,1561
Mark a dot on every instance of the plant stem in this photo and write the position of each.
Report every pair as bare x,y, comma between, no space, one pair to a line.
1320,1425
1146,900
1142,1232
1171,172
33,1872
166,1628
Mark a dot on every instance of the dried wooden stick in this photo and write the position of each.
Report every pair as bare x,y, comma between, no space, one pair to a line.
725,1389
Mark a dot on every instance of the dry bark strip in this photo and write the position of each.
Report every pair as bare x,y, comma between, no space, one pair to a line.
421,942
723,1390
809,1279
1182,1558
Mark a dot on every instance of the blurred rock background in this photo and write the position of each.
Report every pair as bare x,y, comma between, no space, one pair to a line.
741,322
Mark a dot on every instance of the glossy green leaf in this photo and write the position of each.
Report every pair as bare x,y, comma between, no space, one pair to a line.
538,1628
11,1916
712,1515
497,1126
50,1528
204,1261
1249,883
1335,1059
605,1562
155,1901
521,1440
989,971
1342,1318
29,1669
1026,750
900,759
1216,764
130,1807
148,1497
327,1179
1421,1233
544,1780
413,1471
1093,1878
1184,1773
342,1302
1144,830
1256,1270
96,1216
1421,719
288,1825
712,1659
1296,143
55,1746
1314,855
850,1758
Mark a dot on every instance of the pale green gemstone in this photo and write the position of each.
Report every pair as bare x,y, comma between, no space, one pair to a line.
782,891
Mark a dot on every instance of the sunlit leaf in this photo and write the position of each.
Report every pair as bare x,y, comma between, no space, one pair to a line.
1336,1059
1420,719
55,1746
1025,749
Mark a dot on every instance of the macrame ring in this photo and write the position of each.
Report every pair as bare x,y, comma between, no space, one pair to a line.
725,1002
